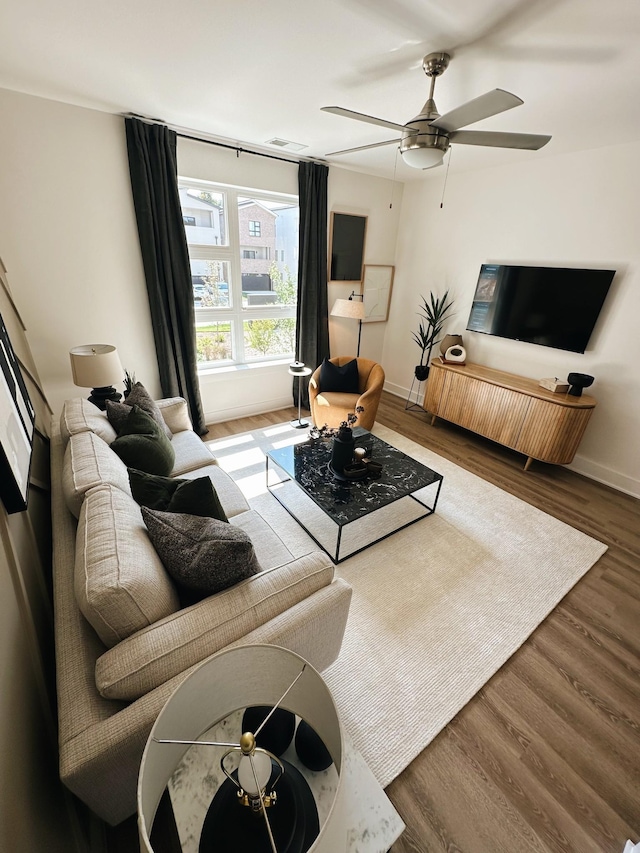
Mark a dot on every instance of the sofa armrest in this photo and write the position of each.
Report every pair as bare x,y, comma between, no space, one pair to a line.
175,413
147,659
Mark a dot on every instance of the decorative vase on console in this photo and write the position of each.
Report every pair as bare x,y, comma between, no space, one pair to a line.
344,442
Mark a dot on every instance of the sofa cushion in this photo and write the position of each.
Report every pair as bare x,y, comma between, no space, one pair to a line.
142,444
117,413
231,497
191,453
175,412
269,547
120,583
89,462
145,661
339,378
171,494
79,415
203,555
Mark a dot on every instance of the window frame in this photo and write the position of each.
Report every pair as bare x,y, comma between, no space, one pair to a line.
236,314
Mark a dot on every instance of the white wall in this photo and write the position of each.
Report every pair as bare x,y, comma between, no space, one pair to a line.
380,201
68,238
573,210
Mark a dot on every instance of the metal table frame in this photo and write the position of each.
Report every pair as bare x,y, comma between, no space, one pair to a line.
337,558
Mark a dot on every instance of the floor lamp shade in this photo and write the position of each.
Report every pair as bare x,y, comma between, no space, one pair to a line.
352,310
231,680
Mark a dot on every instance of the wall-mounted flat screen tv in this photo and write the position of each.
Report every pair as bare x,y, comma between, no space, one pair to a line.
552,306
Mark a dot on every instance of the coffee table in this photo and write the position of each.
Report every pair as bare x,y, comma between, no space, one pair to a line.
369,510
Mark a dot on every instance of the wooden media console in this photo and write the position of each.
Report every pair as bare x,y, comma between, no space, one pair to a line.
511,410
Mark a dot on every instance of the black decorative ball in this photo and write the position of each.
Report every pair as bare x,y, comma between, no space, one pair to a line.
311,749
278,732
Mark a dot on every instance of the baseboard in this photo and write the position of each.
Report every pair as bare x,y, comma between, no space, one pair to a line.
258,407
614,479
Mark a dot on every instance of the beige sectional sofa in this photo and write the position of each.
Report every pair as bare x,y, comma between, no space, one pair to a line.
123,641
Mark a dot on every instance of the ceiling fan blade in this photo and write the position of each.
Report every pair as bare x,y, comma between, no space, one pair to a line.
489,104
363,147
341,111
494,139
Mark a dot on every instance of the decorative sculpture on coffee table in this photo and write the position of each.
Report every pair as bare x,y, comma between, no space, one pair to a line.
344,443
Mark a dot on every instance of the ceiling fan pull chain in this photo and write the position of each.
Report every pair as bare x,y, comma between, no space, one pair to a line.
393,185
446,175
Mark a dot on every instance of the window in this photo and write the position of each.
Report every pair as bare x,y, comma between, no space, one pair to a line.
244,296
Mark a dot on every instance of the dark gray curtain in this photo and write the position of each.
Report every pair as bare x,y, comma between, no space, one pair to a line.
154,182
312,315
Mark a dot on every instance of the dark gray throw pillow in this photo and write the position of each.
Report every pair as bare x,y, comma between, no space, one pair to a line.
171,494
143,445
335,378
201,554
117,413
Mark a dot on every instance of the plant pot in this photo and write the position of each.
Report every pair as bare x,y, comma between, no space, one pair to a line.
421,372
342,451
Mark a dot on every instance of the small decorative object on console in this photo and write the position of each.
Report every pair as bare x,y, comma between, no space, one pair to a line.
556,385
456,354
578,381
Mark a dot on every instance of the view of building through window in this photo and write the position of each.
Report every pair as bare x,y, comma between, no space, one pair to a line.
243,251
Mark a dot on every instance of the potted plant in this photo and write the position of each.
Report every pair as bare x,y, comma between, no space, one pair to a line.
433,314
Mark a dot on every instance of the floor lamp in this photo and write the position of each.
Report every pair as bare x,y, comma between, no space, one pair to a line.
351,309
297,368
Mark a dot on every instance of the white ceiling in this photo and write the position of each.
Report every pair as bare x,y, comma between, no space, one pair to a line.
251,70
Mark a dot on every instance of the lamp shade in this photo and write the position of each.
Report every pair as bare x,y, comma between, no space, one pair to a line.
95,366
231,680
350,308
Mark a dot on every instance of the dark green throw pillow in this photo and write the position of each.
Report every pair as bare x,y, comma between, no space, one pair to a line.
339,378
202,555
143,445
169,494
117,413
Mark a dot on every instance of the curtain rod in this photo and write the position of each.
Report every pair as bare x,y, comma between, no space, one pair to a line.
237,148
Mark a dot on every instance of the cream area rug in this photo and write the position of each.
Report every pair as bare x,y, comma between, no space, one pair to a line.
438,607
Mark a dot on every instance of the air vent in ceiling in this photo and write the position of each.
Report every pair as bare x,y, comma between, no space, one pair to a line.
286,143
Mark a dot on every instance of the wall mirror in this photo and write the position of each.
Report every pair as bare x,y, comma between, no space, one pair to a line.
346,249
377,281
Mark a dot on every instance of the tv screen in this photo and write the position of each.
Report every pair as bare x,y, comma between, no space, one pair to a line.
551,306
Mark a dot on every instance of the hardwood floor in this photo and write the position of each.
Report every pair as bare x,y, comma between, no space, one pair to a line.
546,757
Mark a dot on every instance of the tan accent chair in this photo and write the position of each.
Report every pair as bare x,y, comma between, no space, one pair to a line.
332,407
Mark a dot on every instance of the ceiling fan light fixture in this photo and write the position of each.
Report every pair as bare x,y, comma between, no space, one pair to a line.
423,158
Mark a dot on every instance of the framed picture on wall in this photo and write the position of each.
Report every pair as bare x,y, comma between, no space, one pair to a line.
377,282
346,249
17,420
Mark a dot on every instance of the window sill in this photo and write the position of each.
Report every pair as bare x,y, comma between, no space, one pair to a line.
242,368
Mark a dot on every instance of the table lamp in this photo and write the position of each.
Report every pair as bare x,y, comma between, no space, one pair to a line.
243,677
97,366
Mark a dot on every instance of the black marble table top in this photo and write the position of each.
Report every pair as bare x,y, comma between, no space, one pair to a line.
308,464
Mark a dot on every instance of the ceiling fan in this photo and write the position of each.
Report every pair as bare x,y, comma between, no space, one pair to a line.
426,138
